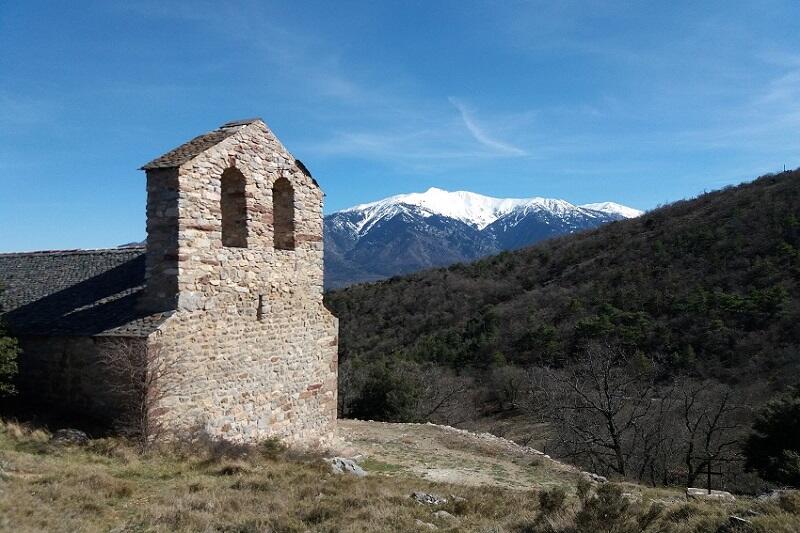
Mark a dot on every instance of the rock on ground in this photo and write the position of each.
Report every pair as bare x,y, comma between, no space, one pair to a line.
596,478
70,436
429,499
443,515
703,494
340,465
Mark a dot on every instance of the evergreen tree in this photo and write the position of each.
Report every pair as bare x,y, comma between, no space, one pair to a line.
773,449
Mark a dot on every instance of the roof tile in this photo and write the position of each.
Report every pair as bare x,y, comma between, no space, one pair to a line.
198,145
75,293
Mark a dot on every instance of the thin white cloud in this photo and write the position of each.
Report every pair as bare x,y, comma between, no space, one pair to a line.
480,135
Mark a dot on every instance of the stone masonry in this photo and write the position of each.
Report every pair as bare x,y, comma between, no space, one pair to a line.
232,291
255,348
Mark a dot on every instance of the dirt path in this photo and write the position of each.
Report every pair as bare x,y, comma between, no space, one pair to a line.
445,454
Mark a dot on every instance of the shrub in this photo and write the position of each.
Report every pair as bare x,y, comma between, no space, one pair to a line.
584,489
551,501
773,449
607,511
790,502
272,448
390,391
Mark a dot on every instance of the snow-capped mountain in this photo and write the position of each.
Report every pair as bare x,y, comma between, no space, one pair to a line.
410,232
612,208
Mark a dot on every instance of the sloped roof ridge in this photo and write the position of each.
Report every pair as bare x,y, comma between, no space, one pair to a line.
76,251
191,149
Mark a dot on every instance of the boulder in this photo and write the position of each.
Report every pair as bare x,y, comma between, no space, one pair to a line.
70,436
425,525
773,496
429,499
693,493
443,515
595,478
341,465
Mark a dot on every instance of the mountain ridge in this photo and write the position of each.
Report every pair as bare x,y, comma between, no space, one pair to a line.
411,232
707,285
478,209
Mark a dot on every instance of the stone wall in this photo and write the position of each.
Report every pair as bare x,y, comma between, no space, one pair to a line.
64,379
162,241
255,349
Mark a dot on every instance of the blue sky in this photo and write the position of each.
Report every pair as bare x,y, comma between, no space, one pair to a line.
641,102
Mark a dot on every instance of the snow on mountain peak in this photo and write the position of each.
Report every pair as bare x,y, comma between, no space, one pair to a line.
614,208
469,207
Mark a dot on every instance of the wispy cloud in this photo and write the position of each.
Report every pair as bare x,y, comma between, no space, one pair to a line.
480,135
365,115
290,53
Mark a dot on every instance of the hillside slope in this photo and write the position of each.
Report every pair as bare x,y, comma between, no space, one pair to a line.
105,485
448,455
708,285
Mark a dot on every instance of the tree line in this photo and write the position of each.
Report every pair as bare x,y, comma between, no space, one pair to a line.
606,411
710,286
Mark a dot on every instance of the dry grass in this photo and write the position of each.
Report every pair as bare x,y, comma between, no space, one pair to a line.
108,486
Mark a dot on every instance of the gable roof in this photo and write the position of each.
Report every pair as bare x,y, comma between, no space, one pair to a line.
75,293
189,150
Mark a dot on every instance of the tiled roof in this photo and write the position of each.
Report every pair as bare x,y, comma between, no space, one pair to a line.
190,150
75,293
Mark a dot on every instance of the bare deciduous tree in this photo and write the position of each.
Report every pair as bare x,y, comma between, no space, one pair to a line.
140,377
608,414
711,422
507,384
599,406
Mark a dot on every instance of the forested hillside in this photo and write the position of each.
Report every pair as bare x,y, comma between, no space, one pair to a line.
707,286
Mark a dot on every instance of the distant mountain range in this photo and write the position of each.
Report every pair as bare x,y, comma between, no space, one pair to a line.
411,232
708,286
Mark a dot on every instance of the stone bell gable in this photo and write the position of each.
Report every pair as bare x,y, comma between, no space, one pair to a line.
230,215
234,247
226,294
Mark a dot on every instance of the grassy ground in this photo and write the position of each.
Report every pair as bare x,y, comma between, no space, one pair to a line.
107,485
438,453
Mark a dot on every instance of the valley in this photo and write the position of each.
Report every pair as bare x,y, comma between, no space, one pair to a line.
689,314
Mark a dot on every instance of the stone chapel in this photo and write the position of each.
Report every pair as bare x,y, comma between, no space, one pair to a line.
227,289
